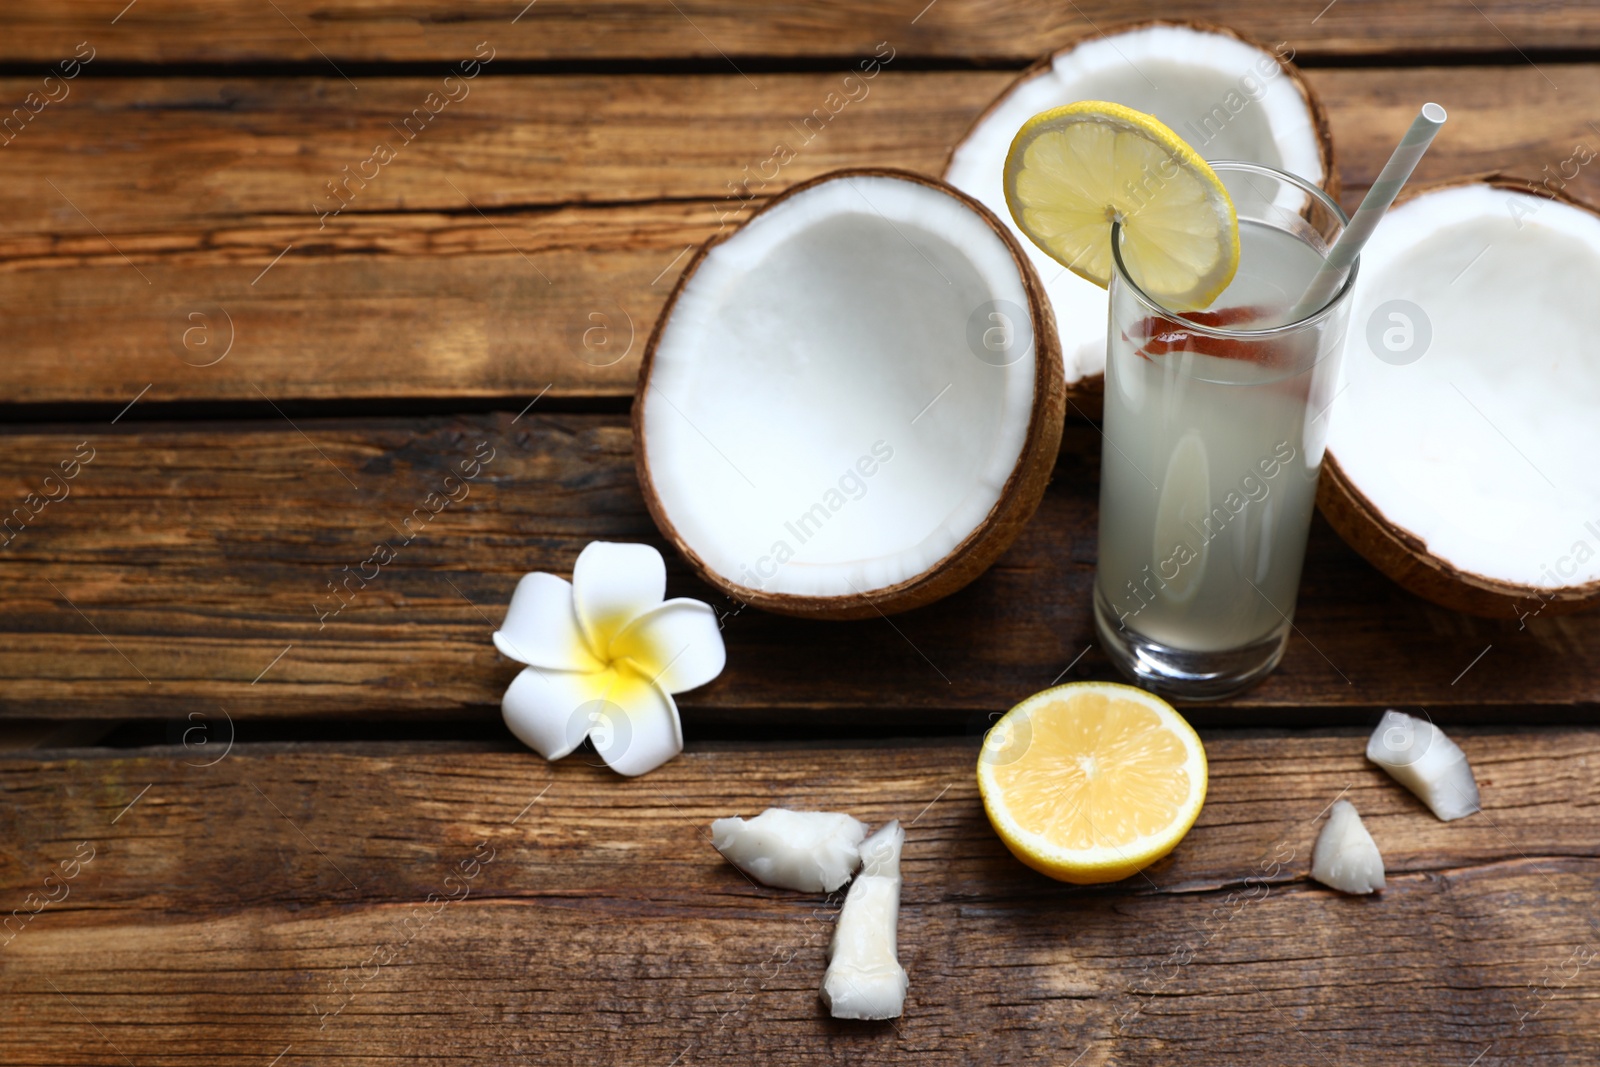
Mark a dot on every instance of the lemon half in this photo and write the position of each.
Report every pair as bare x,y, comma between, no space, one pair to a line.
1074,169
1092,781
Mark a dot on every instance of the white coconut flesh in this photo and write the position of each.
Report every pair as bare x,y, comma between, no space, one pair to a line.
818,420
864,979
1419,756
812,851
1228,99
1482,447
1345,857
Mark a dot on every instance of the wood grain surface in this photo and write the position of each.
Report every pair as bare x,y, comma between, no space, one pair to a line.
226,353
720,32
186,560
524,236
462,904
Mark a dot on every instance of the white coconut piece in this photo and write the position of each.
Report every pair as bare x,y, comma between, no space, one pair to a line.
1460,450
864,978
1229,98
812,851
1345,857
1419,756
842,411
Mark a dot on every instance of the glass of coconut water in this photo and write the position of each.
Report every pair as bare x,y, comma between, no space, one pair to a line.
1214,429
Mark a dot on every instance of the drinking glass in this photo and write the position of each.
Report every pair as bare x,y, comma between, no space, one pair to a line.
1214,429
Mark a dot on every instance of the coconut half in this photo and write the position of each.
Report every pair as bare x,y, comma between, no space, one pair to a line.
852,403
1461,448
1229,97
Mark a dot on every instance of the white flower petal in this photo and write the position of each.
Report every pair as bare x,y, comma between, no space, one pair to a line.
636,729
633,724
551,711
541,627
677,646
612,584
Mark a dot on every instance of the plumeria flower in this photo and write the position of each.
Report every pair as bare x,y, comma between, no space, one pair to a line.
605,652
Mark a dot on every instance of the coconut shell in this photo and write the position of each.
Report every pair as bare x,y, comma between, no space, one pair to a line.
1400,554
1085,396
1019,497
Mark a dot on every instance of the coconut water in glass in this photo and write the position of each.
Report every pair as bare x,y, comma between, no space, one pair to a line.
1214,429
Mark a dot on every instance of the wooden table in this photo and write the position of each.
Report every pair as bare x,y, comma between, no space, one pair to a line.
247,826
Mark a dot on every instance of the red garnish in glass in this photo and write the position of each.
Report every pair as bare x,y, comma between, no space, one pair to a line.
1159,335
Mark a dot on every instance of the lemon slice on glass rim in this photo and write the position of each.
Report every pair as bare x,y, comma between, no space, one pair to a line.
1074,169
1092,781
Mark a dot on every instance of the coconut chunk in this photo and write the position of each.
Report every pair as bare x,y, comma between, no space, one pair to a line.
812,851
1345,857
1419,756
865,979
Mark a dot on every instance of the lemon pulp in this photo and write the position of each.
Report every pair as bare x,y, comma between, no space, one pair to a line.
1072,170
1092,781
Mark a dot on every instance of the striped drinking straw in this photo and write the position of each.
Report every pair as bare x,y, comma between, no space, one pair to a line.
1373,205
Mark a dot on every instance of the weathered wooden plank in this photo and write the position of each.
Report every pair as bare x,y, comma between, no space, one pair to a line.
186,561
196,151
145,156
191,190
201,818
391,306
346,31
276,903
